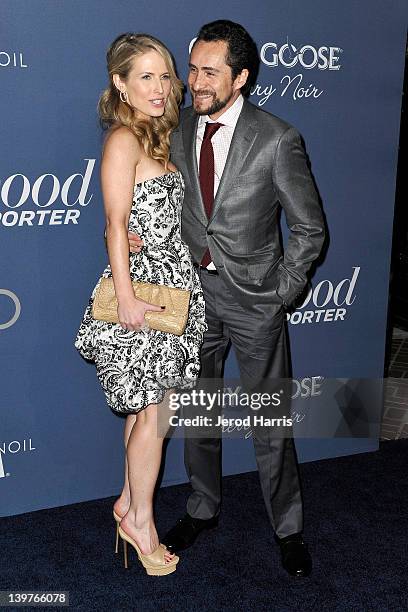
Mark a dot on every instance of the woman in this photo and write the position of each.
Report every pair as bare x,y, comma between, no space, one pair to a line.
143,192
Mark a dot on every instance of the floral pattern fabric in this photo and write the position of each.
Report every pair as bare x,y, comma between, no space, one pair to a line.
136,368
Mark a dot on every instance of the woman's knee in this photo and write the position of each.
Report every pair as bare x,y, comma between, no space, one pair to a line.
148,416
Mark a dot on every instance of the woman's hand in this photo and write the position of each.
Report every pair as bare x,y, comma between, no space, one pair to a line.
135,242
131,313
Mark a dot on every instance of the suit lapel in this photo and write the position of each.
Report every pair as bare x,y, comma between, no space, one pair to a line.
189,140
245,134
242,142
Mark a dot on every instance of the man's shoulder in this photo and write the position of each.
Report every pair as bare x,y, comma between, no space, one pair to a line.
266,120
186,113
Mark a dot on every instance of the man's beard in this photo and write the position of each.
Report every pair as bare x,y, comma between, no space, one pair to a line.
216,106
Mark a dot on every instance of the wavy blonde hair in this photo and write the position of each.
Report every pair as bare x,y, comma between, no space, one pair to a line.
153,134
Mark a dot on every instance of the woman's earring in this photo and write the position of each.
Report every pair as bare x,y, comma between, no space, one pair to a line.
123,96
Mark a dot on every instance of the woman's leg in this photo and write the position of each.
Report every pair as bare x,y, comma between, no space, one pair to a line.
121,506
144,453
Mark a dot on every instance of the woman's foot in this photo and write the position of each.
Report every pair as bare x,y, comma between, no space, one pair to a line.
121,506
145,535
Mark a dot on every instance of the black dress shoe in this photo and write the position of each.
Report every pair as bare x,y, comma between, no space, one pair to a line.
296,559
185,532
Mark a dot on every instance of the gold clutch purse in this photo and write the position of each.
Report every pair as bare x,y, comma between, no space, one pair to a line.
172,320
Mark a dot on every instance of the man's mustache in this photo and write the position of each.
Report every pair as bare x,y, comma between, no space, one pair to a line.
202,92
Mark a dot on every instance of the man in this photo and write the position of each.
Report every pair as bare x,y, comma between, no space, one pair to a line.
240,165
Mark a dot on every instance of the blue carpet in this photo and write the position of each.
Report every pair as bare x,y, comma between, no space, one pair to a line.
356,527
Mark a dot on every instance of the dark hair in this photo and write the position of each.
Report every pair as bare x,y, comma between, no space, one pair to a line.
242,51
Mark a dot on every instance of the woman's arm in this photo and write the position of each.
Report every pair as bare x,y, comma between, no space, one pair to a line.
121,155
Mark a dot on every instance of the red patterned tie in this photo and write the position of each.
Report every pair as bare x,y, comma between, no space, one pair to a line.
206,171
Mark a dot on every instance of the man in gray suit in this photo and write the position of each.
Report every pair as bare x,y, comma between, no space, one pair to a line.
240,166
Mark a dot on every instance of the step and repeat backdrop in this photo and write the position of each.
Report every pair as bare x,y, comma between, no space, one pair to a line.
334,70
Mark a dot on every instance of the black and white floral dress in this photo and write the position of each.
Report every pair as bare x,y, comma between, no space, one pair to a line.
136,368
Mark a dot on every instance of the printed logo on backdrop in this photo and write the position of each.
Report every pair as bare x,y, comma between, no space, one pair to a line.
303,391
16,307
12,59
45,200
299,58
9,449
327,302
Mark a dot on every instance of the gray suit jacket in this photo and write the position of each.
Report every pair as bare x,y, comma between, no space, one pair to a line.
266,168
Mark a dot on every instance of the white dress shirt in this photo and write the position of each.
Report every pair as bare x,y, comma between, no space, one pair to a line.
221,142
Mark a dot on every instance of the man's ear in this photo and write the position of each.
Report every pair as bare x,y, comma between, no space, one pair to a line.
241,79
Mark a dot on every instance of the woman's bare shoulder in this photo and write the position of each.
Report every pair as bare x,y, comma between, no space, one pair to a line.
121,140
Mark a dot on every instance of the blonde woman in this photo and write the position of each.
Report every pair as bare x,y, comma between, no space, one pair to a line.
142,192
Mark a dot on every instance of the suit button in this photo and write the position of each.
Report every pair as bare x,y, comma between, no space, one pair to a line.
209,232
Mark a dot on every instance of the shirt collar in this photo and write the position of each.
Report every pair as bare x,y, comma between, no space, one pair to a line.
229,117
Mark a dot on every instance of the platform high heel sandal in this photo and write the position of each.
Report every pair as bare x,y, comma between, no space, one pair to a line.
117,520
155,563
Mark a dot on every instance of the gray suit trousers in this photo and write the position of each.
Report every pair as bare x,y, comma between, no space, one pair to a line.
260,343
